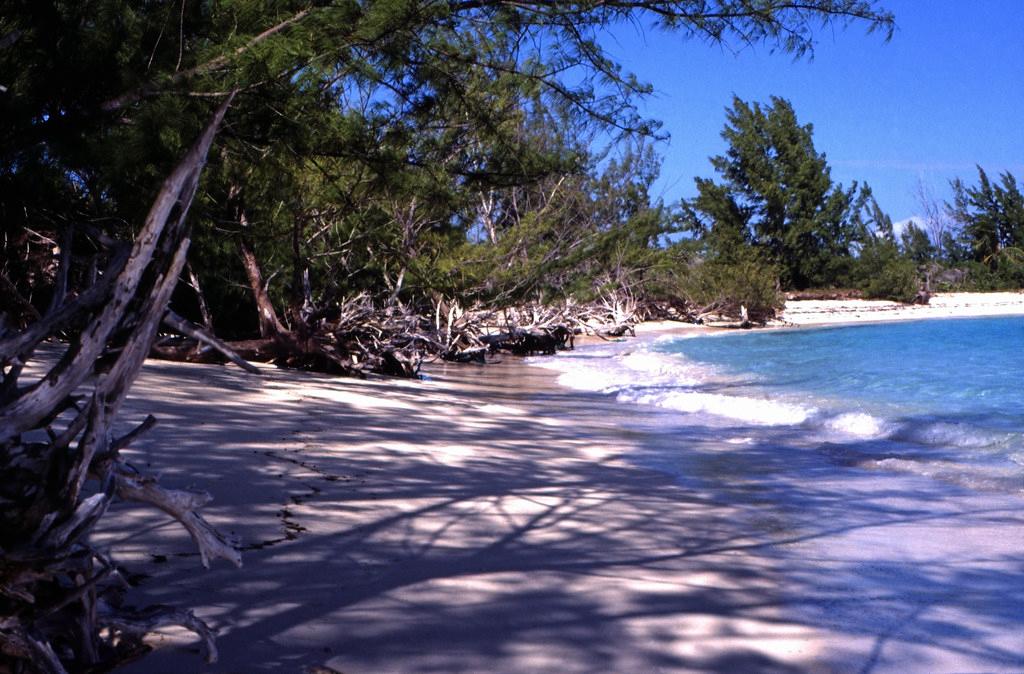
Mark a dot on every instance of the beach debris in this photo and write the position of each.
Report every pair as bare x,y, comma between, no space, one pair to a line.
358,336
204,338
61,598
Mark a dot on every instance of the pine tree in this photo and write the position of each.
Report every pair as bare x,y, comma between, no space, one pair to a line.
777,196
916,244
991,217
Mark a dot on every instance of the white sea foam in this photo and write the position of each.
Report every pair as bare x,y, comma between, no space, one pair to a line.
611,369
636,374
747,409
645,377
589,379
594,370
858,425
661,367
740,440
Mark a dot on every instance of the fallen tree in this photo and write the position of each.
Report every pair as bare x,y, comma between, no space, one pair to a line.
60,600
357,336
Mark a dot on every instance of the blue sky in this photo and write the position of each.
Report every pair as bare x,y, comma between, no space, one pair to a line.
945,93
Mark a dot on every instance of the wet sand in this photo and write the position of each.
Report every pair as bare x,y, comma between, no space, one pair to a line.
490,521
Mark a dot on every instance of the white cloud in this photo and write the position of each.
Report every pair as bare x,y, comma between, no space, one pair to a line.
899,226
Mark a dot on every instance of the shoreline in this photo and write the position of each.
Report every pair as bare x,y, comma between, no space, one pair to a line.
874,557
802,313
838,313
487,519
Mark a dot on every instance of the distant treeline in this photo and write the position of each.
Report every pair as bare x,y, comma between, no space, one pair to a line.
776,221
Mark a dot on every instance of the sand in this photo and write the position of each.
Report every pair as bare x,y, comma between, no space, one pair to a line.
487,520
479,522
941,305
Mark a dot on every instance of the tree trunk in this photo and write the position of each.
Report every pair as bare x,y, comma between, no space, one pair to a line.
60,287
186,328
270,324
204,308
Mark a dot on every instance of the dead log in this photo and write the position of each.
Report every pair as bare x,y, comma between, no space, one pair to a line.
60,287
189,329
184,350
204,309
528,342
619,330
182,506
356,336
473,355
57,608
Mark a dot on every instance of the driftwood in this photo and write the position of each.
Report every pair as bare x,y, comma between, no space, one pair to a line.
202,336
60,606
355,340
356,336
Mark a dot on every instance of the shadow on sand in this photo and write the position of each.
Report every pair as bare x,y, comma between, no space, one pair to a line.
489,527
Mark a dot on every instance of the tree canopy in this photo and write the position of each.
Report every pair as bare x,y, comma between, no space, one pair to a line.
776,197
991,217
364,136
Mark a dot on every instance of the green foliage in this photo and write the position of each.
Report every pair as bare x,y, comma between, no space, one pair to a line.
577,234
1008,274
916,245
882,271
726,286
953,250
896,280
777,196
363,136
991,218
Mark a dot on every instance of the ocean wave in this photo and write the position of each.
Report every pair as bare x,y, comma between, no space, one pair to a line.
611,369
638,375
741,408
949,434
662,367
644,377
984,478
858,425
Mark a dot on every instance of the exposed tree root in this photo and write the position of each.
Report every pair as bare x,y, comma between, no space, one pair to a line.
356,337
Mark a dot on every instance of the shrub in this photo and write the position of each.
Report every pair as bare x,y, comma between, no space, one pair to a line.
1006,274
896,280
725,287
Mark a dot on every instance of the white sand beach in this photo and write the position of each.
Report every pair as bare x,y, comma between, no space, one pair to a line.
479,522
941,305
487,520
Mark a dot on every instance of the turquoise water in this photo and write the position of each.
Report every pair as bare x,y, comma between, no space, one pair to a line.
955,370
939,398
